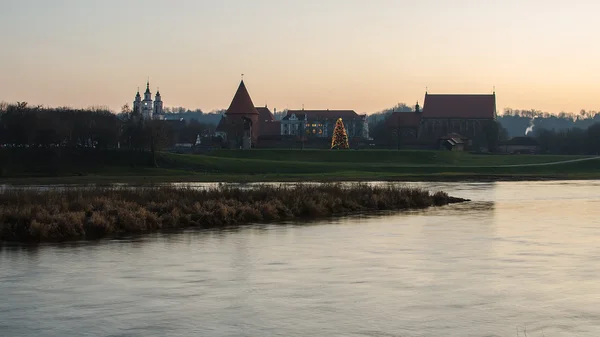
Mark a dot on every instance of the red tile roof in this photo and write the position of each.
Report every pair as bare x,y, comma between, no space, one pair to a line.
242,103
323,114
459,106
404,119
264,114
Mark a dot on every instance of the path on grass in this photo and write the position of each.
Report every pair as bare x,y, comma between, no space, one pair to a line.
536,164
448,165
498,166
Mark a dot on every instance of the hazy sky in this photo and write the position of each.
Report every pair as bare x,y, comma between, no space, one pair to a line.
335,54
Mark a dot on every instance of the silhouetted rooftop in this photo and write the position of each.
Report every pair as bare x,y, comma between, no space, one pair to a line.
459,106
322,114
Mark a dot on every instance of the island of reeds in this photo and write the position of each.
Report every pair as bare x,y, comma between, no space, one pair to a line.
92,213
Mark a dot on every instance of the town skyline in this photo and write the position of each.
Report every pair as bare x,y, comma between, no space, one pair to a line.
333,55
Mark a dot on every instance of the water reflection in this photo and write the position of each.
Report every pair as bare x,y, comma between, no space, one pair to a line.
521,254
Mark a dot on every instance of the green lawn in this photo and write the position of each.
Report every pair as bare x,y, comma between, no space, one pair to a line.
324,165
372,165
390,157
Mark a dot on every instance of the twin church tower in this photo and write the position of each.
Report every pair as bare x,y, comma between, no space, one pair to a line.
147,108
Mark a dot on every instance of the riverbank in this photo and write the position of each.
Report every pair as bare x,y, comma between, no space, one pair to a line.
92,213
143,180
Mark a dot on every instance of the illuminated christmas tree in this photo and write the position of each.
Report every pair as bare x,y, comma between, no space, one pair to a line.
340,138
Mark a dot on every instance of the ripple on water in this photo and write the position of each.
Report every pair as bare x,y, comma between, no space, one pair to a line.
522,255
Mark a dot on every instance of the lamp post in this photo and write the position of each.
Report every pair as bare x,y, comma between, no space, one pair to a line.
398,131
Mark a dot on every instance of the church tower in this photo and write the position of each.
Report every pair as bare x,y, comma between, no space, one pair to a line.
158,106
137,103
147,103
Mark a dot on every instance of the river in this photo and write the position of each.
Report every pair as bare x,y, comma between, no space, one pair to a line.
520,256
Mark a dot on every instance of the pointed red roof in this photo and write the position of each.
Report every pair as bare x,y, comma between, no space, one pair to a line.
242,103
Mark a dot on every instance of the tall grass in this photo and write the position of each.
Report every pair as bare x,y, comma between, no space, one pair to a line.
90,213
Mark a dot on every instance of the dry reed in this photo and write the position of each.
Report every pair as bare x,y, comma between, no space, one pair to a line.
91,213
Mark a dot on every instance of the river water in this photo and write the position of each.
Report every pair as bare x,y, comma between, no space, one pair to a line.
521,256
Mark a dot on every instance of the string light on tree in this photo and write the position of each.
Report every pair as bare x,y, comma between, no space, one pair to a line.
340,138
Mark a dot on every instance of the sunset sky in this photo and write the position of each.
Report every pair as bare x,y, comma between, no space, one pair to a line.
325,54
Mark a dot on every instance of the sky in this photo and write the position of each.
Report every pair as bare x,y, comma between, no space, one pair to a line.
323,54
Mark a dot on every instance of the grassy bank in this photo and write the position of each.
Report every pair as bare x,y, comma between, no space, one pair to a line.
389,157
34,216
52,166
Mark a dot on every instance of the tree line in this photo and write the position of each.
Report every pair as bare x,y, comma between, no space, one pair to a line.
22,125
574,141
517,122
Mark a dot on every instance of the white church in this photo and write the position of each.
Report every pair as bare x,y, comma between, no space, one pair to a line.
147,108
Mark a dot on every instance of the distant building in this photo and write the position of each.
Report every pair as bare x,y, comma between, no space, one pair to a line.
147,108
452,142
244,125
320,123
461,114
221,129
405,123
239,127
268,126
520,145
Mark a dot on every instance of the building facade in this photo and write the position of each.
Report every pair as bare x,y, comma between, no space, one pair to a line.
320,123
465,115
147,108
404,125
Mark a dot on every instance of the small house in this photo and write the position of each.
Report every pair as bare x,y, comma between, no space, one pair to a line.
453,142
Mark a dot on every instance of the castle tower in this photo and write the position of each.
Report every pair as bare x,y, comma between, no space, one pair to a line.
158,106
147,103
243,114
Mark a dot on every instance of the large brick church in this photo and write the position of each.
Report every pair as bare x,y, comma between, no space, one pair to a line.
463,116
